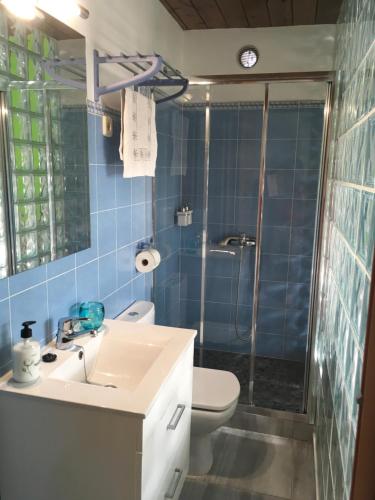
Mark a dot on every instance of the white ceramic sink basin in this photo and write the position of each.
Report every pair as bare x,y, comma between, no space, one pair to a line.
117,360
123,364
122,369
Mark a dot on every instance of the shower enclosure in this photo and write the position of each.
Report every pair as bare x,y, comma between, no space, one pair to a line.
247,159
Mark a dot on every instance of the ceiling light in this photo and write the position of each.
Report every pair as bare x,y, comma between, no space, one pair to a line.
24,9
62,10
248,57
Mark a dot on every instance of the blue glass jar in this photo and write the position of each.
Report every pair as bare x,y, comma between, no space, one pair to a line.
94,311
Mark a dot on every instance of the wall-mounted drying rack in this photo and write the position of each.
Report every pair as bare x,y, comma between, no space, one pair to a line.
146,71
74,66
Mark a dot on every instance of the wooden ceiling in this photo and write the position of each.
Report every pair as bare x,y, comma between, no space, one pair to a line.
211,14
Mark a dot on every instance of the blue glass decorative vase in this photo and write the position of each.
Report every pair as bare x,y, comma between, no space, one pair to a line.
94,312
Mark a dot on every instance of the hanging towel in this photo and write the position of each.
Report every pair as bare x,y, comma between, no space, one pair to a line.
138,141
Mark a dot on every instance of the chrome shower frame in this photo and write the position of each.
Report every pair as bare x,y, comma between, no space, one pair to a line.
206,173
267,79
262,175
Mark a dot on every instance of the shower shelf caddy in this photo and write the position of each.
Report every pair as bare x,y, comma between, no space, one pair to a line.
146,71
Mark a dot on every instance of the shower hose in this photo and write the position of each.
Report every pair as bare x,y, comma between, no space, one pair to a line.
236,327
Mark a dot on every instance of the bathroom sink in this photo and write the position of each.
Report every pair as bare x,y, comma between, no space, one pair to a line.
114,361
102,436
122,369
123,364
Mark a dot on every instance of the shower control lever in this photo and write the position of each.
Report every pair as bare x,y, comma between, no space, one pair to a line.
241,240
229,252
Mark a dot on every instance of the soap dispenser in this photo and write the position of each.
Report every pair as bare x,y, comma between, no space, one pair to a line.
26,356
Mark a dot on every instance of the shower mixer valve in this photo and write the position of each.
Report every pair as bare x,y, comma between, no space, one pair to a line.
242,240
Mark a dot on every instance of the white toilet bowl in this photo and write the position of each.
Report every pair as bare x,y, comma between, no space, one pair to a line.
215,397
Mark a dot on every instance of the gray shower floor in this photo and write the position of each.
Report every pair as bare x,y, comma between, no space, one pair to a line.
278,384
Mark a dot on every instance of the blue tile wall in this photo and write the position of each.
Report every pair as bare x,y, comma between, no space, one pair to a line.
293,159
121,215
291,187
292,175
347,251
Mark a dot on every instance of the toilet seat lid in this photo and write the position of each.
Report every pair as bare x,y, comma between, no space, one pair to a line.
214,390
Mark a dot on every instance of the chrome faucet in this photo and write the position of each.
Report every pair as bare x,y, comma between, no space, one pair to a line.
67,331
241,240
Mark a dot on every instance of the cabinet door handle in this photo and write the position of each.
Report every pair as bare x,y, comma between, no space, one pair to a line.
175,482
176,417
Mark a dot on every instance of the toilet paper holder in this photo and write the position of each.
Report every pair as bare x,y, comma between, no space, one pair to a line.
147,260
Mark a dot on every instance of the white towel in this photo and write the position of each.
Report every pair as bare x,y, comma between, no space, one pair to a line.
138,141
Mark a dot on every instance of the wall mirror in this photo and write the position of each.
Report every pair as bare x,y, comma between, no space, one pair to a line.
44,191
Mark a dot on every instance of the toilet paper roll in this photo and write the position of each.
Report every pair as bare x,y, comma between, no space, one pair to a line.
147,260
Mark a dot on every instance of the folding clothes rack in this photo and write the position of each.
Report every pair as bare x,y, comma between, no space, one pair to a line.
146,71
75,66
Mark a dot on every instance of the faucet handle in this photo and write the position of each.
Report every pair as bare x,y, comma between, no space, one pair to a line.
66,332
67,324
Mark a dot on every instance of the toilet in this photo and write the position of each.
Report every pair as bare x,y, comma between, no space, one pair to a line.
215,397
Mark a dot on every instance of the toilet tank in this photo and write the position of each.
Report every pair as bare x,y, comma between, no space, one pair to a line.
139,312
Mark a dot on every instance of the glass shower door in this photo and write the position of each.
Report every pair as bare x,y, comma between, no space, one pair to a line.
290,204
231,204
209,278
192,195
179,181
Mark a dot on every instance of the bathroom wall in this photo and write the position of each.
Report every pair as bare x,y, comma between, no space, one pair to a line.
289,217
120,221
124,26
147,27
290,48
348,243
121,218
292,174
281,49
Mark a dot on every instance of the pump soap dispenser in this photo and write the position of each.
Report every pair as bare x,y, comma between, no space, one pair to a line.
26,356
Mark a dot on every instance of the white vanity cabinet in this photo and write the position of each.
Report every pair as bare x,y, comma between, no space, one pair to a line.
64,450
166,436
